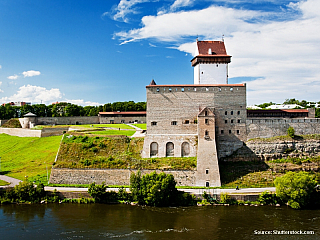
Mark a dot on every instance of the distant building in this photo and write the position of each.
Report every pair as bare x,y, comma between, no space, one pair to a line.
284,106
123,117
281,113
18,104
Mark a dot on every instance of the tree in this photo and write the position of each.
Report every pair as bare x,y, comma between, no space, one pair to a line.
290,132
296,189
98,192
154,189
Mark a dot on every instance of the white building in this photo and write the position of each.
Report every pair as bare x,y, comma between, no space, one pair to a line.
210,63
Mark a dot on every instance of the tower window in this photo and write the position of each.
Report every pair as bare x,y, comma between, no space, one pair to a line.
182,89
219,89
158,89
170,89
231,89
206,121
206,133
195,121
174,123
186,122
207,171
195,89
153,123
206,113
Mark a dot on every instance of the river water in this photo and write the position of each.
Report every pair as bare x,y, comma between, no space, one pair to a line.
99,221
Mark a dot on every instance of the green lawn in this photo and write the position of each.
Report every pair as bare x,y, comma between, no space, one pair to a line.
28,156
4,183
143,126
114,132
121,126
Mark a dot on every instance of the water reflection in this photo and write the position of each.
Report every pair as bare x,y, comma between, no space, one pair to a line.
96,221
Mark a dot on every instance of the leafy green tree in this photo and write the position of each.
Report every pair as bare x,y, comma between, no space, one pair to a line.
265,105
296,189
98,192
290,132
154,189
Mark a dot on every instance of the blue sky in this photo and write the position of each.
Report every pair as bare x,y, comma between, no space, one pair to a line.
95,52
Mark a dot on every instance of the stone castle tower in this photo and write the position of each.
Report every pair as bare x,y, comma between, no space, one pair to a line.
206,119
210,63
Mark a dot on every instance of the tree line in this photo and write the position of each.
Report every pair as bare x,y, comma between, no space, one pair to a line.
65,109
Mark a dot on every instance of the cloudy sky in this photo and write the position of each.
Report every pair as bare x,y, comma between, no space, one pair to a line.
95,52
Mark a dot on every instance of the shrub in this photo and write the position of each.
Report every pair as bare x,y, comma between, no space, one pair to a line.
225,198
290,132
297,189
267,198
98,192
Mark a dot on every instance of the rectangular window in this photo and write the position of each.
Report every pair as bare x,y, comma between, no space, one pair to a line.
158,89
207,171
238,112
231,112
222,131
225,121
174,123
239,121
229,131
195,121
153,123
231,120
186,122
206,121
225,113
238,132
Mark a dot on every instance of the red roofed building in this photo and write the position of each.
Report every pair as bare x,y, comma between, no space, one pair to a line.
210,63
123,117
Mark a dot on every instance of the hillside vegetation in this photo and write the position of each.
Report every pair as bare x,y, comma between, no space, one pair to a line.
28,156
105,152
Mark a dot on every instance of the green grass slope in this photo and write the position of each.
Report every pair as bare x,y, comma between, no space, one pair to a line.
119,153
28,156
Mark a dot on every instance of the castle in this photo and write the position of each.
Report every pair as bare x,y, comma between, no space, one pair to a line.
206,119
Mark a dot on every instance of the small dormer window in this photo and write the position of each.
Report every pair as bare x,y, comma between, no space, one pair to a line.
209,51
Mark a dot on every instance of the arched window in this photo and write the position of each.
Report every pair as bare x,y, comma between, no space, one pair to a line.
185,149
153,149
169,149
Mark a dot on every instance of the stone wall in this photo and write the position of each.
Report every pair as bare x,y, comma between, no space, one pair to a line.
24,132
112,176
271,127
263,150
21,132
3,122
67,120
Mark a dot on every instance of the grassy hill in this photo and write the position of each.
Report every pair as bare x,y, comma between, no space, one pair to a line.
105,152
28,156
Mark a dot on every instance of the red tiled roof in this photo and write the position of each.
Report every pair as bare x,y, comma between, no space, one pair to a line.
124,113
217,48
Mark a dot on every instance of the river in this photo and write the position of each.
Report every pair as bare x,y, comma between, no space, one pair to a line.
99,221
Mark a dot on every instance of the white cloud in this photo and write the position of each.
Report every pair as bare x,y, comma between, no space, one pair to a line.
83,103
210,22
36,94
13,77
283,56
0,66
126,7
31,73
181,3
